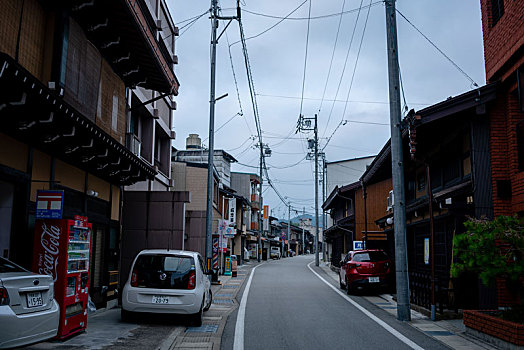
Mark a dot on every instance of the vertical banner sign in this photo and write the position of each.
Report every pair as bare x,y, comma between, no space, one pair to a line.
265,222
426,251
232,217
266,211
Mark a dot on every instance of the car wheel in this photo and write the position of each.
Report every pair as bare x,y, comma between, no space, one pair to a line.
198,318
126,316
210,301
340,282
348,289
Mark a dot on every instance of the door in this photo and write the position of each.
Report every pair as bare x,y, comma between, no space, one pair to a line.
6,215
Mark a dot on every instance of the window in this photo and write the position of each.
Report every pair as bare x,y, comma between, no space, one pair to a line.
497,10
163,271
114,114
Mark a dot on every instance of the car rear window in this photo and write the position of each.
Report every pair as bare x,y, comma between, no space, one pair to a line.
7,266
370,256
163,271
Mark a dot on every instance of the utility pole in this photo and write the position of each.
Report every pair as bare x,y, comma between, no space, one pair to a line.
260,203
212,101
397,166
209,206
288,224
317,263
304,124
323,200
303,242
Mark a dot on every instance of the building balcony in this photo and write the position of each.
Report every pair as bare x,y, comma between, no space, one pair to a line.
126,34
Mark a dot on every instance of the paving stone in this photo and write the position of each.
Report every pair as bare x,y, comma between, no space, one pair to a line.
207,328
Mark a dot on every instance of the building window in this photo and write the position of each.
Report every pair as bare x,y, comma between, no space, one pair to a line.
497,10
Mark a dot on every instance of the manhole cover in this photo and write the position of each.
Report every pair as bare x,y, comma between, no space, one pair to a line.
207,328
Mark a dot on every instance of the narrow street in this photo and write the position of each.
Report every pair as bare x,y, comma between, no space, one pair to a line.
289,307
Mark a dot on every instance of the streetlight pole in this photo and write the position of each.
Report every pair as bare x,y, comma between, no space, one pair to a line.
260,204
397,166
317,263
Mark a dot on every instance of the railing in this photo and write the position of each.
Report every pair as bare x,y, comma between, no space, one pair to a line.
420,292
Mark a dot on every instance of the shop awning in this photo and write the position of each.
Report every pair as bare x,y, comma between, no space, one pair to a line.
39,116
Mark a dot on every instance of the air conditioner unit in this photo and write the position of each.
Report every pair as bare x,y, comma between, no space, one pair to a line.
133,144
390,201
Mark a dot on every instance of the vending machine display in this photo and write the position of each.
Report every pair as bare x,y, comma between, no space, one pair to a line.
62,250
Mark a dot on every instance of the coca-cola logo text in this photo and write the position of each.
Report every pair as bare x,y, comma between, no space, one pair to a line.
50,241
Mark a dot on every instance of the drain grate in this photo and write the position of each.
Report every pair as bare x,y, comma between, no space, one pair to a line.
222,301
230,286
207,328
224,295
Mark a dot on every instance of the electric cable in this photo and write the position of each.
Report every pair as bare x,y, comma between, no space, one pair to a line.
352,78
439,50
332,56
331,100
305,60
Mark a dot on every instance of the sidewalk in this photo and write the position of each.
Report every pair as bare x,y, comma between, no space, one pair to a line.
449,332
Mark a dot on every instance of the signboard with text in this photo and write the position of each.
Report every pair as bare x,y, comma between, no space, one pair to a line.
232,217
49,204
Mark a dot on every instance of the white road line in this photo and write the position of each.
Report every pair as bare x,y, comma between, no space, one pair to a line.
238,343
383,324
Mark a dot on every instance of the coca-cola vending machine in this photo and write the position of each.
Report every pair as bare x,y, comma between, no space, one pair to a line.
62,250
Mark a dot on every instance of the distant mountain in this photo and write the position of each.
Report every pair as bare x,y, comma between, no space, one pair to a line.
295,220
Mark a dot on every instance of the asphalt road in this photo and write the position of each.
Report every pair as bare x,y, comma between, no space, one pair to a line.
289,307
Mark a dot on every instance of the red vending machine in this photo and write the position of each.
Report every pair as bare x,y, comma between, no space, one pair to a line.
62,250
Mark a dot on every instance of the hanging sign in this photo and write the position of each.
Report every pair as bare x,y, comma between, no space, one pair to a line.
49,204
232,217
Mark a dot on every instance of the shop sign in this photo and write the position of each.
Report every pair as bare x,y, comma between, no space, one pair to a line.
426,251
358,245
49,204
232,210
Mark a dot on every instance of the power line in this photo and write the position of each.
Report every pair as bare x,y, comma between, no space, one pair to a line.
332,56
305,59
344,66
331,100
274,25
439,50
310,18
352,77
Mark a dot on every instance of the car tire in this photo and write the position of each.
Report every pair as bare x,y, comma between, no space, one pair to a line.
348,288
340,282
210,301
198,318
127,316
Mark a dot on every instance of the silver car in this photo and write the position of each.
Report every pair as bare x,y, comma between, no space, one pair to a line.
28,311
167,281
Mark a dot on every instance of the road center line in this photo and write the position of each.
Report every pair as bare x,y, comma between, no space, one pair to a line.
383,324
238,343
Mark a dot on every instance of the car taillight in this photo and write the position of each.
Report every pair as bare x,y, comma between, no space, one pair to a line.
192,280
4,296
134,279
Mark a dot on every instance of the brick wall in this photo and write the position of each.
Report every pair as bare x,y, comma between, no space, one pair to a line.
502,40
485,322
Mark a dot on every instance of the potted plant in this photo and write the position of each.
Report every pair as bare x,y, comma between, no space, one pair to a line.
494,250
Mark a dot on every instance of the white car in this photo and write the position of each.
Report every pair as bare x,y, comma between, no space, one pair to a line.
28,311
274,253
167,281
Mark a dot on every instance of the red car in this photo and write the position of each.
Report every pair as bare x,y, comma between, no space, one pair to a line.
364,269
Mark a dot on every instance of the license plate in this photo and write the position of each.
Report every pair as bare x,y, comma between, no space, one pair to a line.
160,299
374,279
34,299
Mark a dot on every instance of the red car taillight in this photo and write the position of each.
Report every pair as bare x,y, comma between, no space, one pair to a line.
192,280
4,296
134,279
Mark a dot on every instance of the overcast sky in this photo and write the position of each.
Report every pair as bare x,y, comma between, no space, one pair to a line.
277,62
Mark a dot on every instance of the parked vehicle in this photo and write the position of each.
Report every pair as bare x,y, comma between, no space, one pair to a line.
28,311
170,282
364,269
274,253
